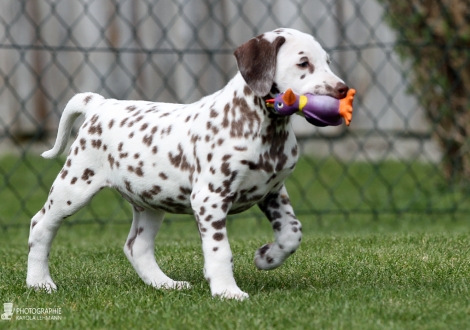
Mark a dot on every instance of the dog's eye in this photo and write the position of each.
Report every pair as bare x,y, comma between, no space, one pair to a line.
303,64
280,105
328,61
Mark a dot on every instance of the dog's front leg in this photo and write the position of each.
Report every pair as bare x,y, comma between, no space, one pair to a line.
210,210
287,230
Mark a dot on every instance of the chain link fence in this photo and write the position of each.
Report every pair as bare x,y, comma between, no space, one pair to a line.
386,162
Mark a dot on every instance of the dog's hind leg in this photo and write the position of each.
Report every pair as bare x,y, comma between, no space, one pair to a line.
287,230
67,195
139,249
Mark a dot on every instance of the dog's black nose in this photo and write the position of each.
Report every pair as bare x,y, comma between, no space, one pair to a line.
341,90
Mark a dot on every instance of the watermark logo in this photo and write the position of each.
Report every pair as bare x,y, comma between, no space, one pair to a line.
31,313
8,311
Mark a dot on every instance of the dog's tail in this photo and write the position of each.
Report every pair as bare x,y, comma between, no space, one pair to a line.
75,107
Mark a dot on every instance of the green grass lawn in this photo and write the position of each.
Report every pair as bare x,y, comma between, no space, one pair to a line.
405,273
408,268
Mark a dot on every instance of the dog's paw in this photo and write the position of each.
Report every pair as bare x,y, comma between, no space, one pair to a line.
265,259
236,294
47,285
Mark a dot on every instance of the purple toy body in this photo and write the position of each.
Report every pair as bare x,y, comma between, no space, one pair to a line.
322,110
319,110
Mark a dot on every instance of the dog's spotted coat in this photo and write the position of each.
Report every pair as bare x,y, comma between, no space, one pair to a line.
218,156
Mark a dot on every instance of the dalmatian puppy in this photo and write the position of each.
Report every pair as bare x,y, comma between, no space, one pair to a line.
218,156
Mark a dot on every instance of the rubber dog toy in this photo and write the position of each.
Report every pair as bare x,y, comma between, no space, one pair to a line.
319,110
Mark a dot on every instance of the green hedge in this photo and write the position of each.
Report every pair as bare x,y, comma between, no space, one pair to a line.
435,37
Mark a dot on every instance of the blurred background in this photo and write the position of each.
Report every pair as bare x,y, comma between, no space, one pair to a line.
406,151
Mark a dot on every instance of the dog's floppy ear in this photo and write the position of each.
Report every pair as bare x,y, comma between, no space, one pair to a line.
256,61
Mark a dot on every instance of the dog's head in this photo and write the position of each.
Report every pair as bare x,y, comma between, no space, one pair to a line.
287,58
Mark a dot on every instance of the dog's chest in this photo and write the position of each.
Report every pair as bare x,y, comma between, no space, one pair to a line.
265,172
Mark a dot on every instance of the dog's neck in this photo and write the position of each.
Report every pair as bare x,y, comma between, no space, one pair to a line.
237,87
239,96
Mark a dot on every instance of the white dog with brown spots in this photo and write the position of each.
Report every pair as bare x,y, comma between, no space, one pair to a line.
218,156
